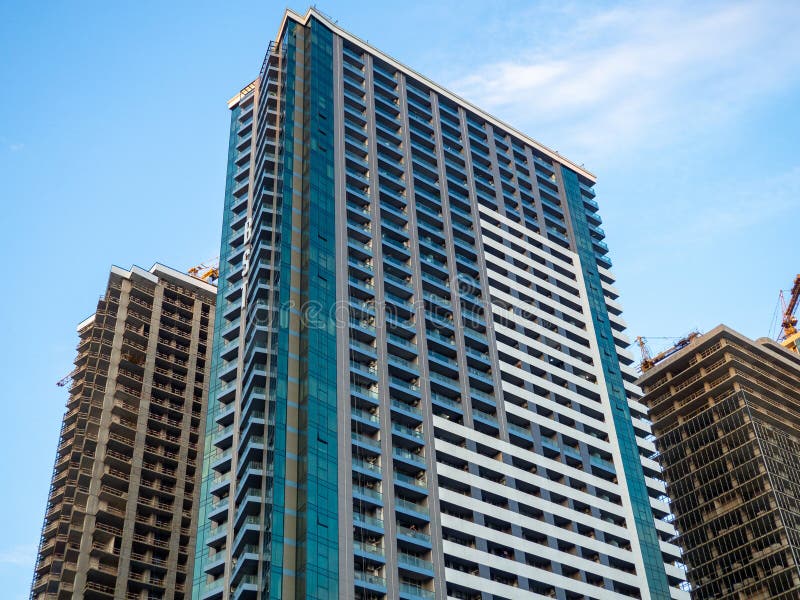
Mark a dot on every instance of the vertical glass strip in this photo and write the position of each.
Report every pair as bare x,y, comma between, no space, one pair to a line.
207,475
317,501
272,585
634,475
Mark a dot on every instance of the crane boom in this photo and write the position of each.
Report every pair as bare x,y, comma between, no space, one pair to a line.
64,381
208,271
646,358
789,335
648,362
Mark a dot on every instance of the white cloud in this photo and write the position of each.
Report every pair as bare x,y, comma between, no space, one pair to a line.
642,75
23,555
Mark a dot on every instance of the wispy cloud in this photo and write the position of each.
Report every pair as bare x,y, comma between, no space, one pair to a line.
10,145
642,74
23,555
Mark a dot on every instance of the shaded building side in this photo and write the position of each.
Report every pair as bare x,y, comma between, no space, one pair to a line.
120,518
726,413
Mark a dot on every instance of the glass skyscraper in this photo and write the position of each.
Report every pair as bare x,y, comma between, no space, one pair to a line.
419,383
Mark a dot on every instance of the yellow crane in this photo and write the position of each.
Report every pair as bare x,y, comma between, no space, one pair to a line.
207,271
789,335
648,361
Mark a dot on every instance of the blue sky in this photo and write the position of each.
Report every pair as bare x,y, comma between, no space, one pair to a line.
113,134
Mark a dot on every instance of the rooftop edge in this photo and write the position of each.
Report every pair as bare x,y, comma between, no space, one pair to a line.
312,12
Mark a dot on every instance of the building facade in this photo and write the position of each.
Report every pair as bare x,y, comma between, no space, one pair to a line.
121,515
726,413
419,384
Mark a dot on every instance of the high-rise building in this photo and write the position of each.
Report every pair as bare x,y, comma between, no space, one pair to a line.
726,413
419,382
121,516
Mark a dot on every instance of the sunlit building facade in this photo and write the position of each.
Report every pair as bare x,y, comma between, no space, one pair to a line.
419,382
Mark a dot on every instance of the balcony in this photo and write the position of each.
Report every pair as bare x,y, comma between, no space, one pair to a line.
409,438
414,592
369,550
415,460
400,266
405,369
370,420
93,589
362,329
482,398
398,215
379,82
604,261
444,383
403,305
435,285
365,395
418,99
407,413
216,536
482,379
370,468
366,442
403,389
598,461
359,250
401,347
453,407
416,486
402,248
368,581
485,422
216,565
367,495
221,461
447,364
414,564
363,374
213,590
398,285
600,246
391,133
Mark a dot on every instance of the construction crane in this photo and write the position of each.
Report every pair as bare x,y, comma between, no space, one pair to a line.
207,271
648,361
66,379
789,335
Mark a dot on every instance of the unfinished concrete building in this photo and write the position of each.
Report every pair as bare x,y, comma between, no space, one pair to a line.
726,413
120,520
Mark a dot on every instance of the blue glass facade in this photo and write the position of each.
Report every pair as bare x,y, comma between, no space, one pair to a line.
273,558
318,502
272,460
206,528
